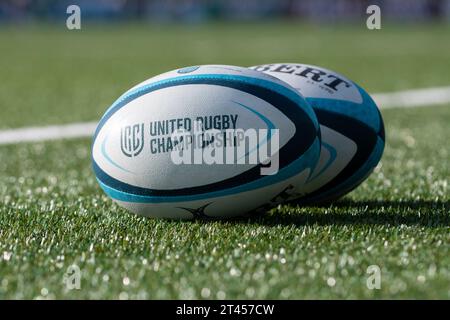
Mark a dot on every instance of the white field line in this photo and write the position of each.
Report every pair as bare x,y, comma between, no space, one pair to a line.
413,98
401,99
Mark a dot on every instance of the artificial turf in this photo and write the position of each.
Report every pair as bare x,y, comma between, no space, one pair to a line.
54,215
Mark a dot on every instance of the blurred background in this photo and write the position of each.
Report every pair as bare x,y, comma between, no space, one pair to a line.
74,75
207,10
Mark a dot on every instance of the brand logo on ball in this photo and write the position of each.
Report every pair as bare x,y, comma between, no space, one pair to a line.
229,146
329,80
132,140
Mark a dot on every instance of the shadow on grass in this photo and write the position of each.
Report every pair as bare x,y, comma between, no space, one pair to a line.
347,212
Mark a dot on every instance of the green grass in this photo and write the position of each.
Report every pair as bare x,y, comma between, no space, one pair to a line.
53,214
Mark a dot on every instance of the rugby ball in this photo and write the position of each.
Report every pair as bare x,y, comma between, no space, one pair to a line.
351,126
206,141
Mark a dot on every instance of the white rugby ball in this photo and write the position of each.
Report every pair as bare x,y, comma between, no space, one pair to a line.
156,149
351,126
